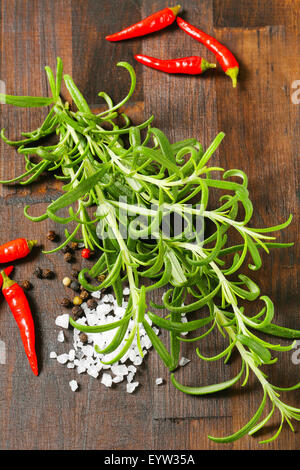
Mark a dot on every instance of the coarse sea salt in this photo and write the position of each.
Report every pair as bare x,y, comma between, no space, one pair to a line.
74,385
62,320
184,361
61,336
85,359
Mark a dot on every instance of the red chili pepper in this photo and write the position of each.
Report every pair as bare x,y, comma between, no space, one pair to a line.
159,20
20,309
191,65
7,272
16,249
225,58
86,253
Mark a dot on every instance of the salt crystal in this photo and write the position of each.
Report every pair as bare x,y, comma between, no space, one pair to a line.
81,369
106,380
74,385
70,365
119,369
159,381
156,330
132,355
184,361
126,291
71,354
117,379
63,358
53,355
93,371
103,309
131,368
130,377
96,294
61,336
62,320
131,386
138,361
88,350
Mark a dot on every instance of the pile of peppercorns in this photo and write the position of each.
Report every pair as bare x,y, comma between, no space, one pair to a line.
80,294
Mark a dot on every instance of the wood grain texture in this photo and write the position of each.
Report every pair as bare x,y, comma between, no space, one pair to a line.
262,138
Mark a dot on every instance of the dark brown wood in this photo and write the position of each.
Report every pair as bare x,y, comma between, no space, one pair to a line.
262,138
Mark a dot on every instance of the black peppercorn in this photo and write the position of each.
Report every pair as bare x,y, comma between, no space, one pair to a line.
47,274
68,257
38,272
26,285
77,312
74,246
52,236
65,302
92,304
75,273
83,337
66,249
84,294
75,286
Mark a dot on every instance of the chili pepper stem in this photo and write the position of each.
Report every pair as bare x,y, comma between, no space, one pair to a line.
31,244
207,65
233,73
7,282
175,9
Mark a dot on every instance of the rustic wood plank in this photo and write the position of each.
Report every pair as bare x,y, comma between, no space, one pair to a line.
259,121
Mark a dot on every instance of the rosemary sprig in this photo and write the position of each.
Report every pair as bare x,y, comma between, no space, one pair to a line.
140,189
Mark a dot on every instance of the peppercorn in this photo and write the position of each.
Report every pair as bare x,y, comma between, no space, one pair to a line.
75,273
75,286
68,257
83,337
52,236
26,285
84,294
74,246
101,278
92,304
47,274
66,281
77,312
86,253
66,249
65,302
38,272
77,300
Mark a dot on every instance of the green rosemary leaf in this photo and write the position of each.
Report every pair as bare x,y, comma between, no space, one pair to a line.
25,101
207,389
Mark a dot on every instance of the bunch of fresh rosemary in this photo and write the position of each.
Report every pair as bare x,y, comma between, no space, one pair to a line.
140,189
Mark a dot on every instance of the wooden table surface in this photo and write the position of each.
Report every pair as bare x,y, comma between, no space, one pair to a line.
261,123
